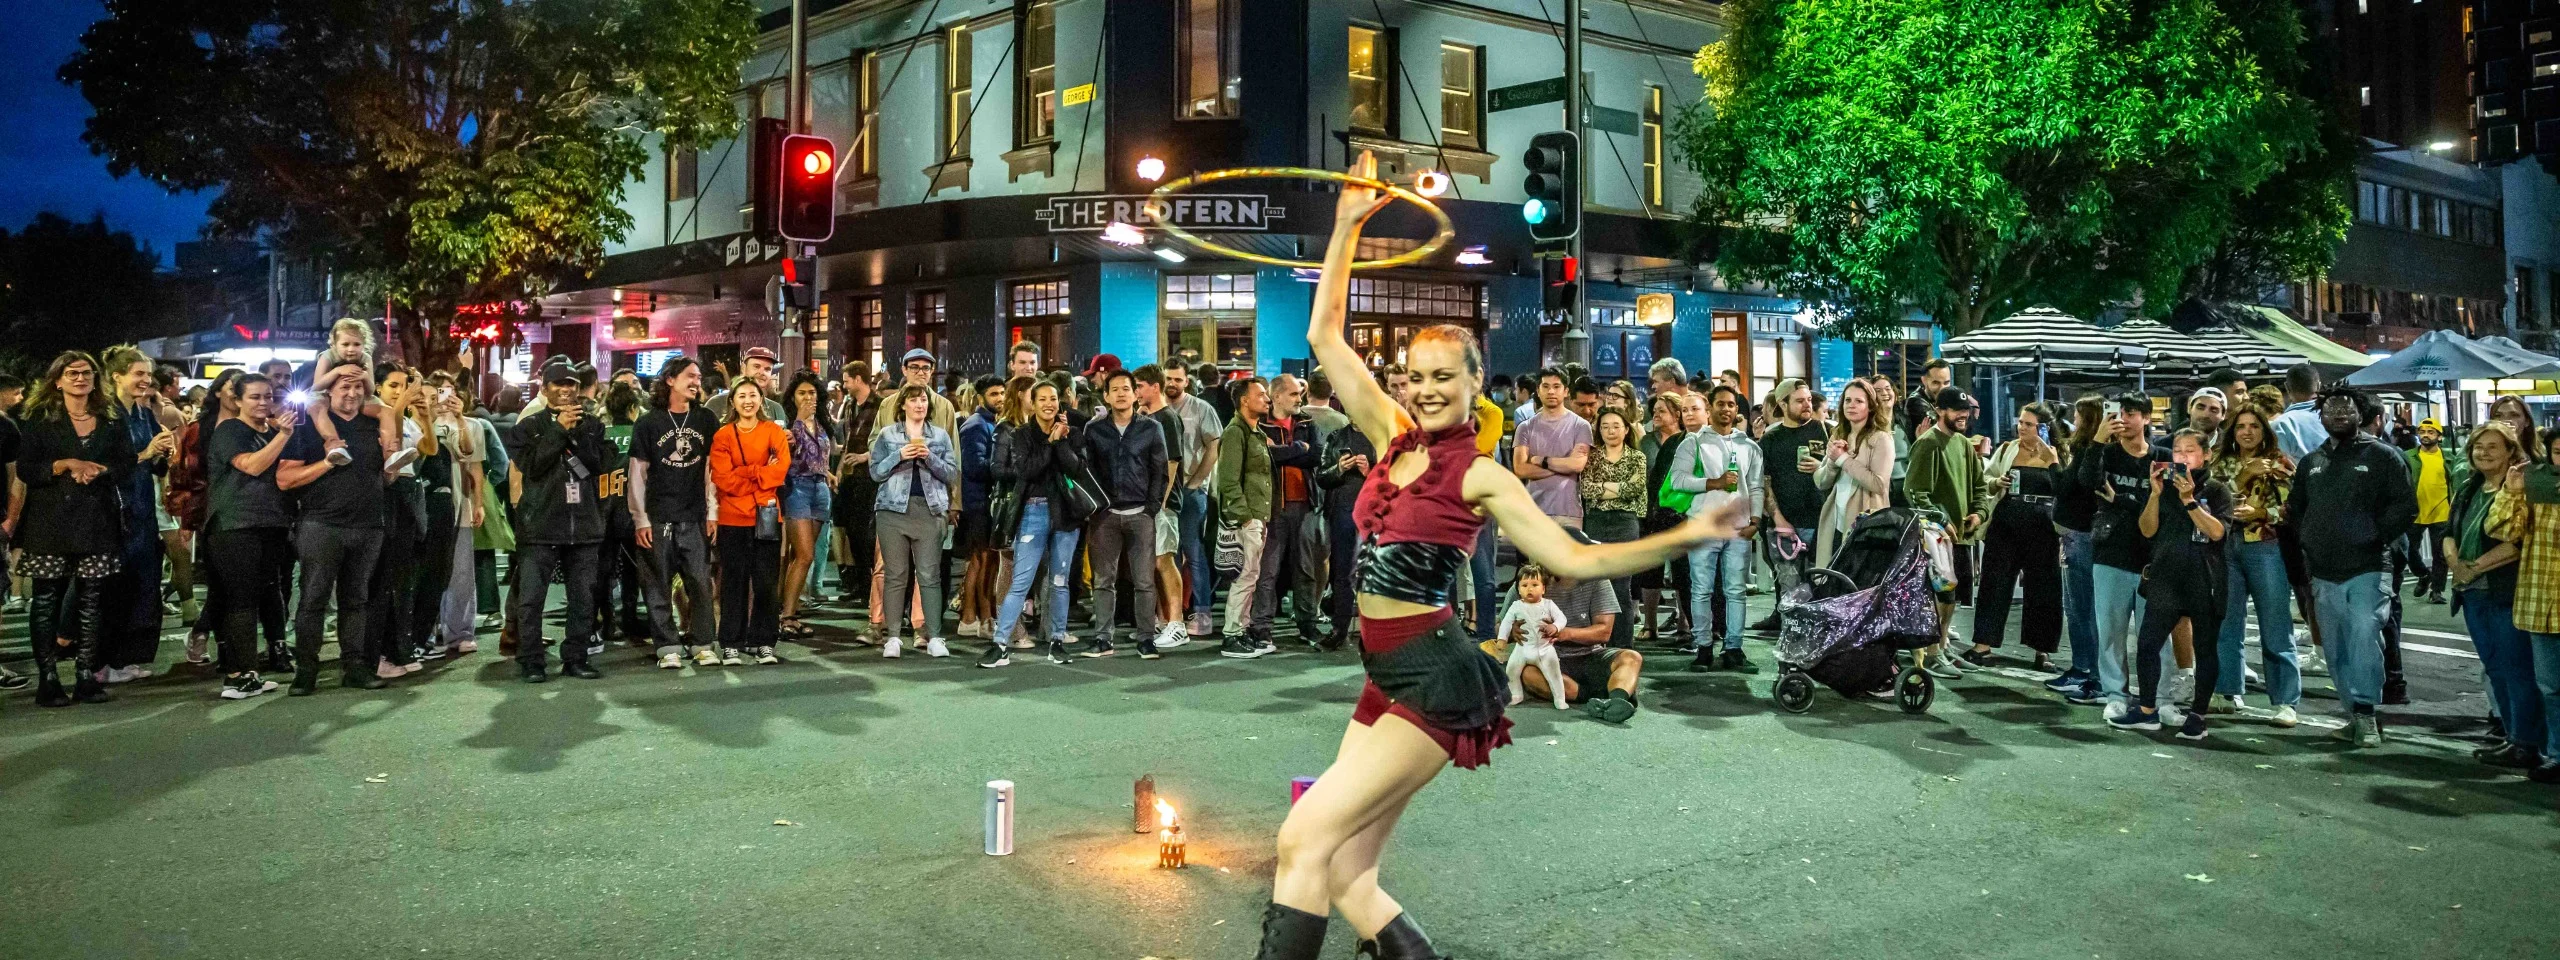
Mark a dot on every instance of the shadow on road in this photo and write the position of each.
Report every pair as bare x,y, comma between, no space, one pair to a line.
124,764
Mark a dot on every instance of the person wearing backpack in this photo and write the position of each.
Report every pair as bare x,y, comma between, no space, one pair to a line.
1719,463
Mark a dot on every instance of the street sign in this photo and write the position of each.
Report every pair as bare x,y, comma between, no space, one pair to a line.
1609,119
1076,95
1529,94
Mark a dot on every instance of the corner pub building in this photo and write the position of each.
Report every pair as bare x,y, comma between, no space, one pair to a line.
986,143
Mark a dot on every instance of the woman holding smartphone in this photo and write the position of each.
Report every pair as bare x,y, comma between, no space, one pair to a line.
2021,544
2184,518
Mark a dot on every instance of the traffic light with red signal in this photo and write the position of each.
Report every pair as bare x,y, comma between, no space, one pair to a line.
807,188
1561,276
794,188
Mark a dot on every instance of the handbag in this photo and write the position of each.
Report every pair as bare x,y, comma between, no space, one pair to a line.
1677,500
1080,499
768,521
1004,514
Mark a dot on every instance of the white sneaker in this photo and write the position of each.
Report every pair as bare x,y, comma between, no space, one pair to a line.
2237,705
387,670
936,648
670,662
1173,635
2171,715
2115,708
2249,675
731,658
196,644
2182,688
706,656
889,647
2284,716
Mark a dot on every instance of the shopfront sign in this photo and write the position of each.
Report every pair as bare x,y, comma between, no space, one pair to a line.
1654,309
1219,212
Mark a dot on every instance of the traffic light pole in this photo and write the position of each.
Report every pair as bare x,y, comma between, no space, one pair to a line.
795,321
1577,338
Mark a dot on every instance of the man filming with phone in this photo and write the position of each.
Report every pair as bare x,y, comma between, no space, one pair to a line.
1793,448
2120,471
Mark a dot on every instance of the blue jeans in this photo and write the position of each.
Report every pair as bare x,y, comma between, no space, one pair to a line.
1717,566
1482,571
2506,655
2079,596
2546,680
2351,631
819,561
1195,560
1033,543
2116,596
2257,574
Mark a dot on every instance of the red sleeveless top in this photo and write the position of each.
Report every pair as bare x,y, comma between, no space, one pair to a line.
1431,509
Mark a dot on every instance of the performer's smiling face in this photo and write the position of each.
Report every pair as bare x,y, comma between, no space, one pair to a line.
1445,371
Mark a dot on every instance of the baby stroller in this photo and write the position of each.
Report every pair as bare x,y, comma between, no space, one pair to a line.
1844,624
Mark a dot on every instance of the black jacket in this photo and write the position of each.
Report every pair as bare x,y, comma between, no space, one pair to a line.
64,518
1130,464
2349,504
2075,504
551,459
1341,486
1035,467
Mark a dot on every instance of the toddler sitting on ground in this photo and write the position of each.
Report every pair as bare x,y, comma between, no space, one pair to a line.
1538,619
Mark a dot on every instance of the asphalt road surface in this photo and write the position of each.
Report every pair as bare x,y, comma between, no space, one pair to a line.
830,807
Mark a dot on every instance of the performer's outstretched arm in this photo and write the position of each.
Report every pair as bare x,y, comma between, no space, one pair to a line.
1497,494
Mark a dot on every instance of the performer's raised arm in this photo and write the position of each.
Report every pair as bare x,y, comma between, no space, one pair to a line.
1369,407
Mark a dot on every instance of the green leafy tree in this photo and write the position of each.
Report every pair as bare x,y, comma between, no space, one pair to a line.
437,153
68,284
1970,157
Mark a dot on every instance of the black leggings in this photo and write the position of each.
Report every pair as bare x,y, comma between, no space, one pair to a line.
750,588
2164,604
244,592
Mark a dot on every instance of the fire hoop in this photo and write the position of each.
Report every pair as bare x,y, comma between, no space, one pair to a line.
1155,205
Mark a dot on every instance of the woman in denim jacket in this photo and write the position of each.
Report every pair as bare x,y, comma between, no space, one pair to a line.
915,463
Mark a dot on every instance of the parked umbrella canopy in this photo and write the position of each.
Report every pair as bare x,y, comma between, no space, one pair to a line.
2546,363
2443,356
2249,355
2043,337
2168,349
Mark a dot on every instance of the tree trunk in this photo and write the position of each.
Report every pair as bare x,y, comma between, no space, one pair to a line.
426,340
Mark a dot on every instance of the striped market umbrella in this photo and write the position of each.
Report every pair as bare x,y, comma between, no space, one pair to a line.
2168,349
2249,355
2044,338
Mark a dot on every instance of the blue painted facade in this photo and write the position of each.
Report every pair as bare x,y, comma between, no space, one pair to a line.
964,231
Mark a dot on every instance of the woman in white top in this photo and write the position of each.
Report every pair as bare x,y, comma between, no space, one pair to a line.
1857,470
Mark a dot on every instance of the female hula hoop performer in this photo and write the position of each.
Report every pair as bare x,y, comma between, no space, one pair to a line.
1432,697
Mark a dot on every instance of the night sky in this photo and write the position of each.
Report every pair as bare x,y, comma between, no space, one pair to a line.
48,168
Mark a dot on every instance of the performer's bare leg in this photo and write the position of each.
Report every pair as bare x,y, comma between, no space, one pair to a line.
1378,768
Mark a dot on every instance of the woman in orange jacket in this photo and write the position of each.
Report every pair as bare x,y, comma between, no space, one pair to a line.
749,458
